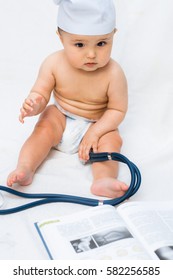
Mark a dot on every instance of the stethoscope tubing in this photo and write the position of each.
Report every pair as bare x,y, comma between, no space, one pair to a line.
45,198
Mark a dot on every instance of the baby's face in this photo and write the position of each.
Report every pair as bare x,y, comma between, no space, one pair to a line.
87,53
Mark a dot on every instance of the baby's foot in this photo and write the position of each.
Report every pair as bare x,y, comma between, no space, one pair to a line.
108,187
21,176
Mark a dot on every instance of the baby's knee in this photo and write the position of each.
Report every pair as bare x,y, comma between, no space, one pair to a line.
44,127
46,132
118,138
111,142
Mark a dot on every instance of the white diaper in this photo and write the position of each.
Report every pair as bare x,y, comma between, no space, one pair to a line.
75,129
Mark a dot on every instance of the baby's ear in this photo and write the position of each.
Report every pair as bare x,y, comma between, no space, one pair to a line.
115,30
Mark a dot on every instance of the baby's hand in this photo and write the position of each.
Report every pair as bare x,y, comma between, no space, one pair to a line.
90,141
30,107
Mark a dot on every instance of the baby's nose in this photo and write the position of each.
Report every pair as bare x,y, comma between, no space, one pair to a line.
91,53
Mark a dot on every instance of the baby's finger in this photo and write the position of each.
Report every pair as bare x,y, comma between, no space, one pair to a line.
29,102
27,107
21,118
95,147
23,114
81,152
84,152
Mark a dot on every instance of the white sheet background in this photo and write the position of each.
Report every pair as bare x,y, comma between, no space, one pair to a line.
143,46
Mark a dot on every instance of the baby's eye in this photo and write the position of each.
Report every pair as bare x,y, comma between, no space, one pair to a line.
101,44
79,45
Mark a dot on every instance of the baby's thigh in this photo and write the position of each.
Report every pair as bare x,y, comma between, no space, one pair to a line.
110,142
53,122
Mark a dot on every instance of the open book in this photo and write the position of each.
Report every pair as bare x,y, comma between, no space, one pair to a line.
133,230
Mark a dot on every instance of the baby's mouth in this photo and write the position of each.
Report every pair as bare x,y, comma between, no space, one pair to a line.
91,64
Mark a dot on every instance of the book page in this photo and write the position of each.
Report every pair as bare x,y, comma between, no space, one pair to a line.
152,224
97,233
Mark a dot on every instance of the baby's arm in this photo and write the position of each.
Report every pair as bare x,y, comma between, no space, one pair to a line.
39,96
113,116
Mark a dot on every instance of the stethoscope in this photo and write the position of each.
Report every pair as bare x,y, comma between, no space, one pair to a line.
44,198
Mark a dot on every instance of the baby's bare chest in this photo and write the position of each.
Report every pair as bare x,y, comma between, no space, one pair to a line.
91,90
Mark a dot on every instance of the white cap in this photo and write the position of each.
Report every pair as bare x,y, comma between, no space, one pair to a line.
86,17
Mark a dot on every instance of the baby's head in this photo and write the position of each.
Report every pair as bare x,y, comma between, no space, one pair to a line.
86,17
86,29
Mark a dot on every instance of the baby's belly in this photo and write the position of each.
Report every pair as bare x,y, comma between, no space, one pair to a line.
86,110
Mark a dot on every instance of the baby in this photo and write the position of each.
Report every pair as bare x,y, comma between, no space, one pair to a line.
90,93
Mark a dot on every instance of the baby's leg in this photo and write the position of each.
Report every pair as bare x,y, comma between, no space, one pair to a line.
47,133
105,173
